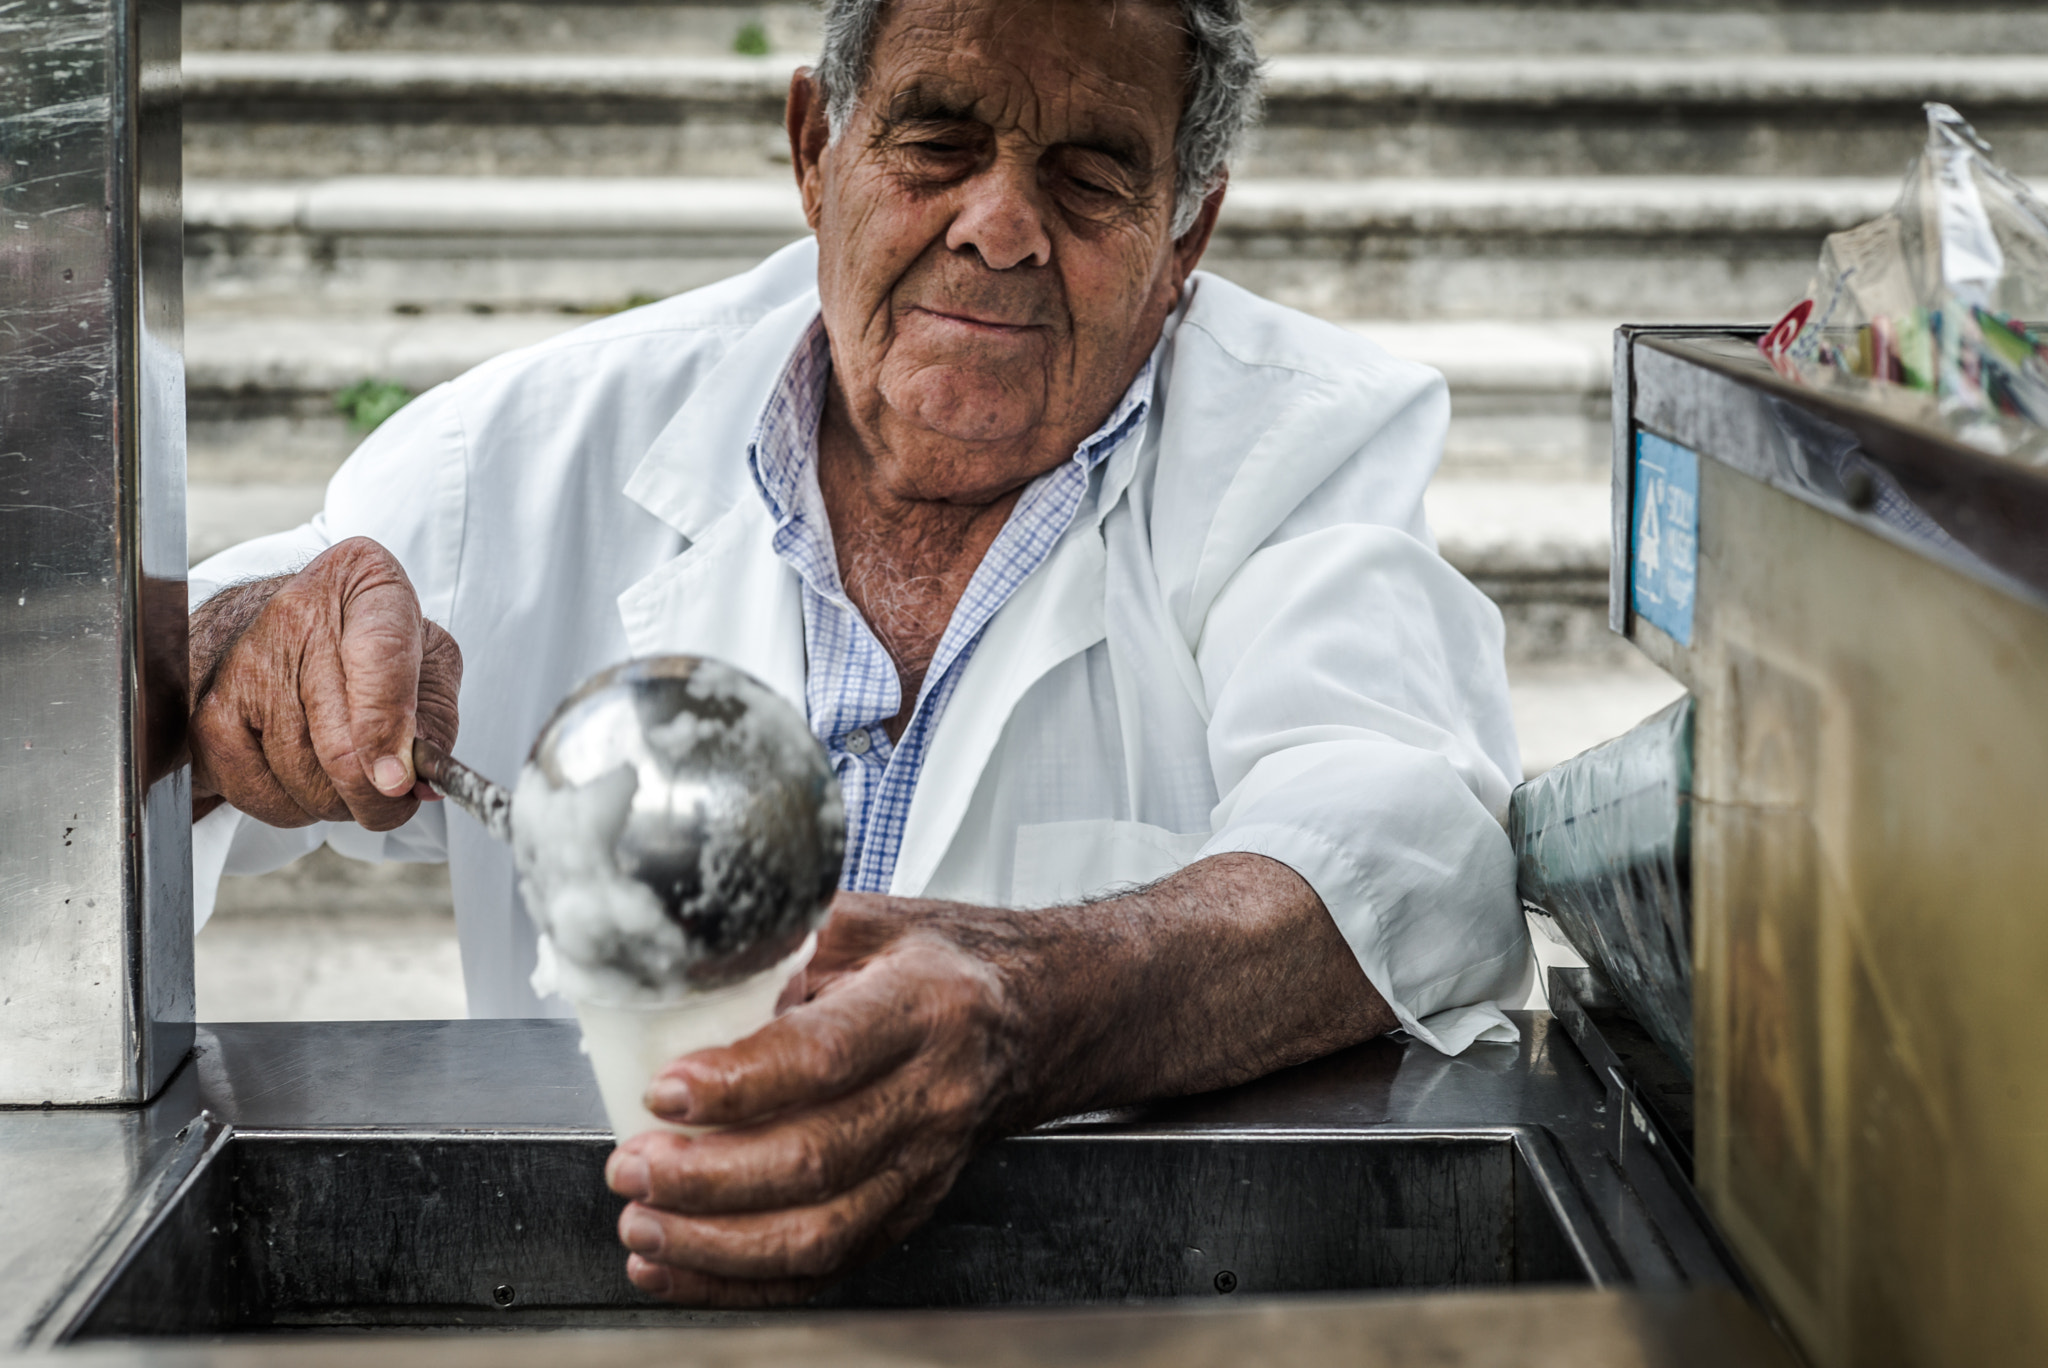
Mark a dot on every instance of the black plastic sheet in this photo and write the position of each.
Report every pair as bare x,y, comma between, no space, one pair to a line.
1603,845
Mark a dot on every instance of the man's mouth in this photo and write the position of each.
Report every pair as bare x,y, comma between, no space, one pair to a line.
1000,327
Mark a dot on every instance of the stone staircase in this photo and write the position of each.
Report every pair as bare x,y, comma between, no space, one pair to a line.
394,189
398,189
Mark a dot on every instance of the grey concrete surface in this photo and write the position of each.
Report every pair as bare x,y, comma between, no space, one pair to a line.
1286,26
331,939
1531,248
1529,399
396,188
627,112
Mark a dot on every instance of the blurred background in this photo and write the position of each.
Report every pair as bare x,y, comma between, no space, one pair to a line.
380,194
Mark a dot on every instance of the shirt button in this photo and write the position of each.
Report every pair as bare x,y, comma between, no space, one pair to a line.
858,743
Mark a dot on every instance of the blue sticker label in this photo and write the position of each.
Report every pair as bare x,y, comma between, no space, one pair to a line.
1665,538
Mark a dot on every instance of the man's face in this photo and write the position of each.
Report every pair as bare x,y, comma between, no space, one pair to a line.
994,223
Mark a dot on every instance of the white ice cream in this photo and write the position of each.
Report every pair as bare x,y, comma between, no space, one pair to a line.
608,943
605,936
592,918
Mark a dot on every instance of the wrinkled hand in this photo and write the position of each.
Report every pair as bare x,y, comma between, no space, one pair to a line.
923,1029
309,690
851,1113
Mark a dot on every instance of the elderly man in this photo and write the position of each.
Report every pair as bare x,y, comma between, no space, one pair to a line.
1105,584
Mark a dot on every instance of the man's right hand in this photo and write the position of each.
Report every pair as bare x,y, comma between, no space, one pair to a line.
309,689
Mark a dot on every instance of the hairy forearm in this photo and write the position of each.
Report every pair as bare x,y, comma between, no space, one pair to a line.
217,624
1221,973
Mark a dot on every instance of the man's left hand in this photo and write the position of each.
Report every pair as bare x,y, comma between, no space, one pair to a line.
850,1115
923,1029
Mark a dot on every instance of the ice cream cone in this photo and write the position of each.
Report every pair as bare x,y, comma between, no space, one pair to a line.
629,1043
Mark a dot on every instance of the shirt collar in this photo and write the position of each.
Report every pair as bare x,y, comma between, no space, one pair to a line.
785,442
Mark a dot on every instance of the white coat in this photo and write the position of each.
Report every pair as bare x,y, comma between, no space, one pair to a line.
1246,640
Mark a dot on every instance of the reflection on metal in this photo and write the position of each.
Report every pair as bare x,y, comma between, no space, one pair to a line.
1922,489
489,803
95,852
1869,665
736,822
295,1195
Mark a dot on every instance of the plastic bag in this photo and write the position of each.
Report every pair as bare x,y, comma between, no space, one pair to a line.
1937,308
1603,844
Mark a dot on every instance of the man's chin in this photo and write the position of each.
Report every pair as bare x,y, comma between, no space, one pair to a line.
969,406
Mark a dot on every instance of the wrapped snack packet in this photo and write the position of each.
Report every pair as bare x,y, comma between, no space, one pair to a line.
1937,308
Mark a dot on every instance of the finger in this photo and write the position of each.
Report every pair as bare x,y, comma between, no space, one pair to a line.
228,759
295,767
687,1288
440,685
357,606
822,1049
800,1159
382,636
801,1242
794,993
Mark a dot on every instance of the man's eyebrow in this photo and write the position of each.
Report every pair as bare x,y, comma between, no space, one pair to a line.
920,105
1129,152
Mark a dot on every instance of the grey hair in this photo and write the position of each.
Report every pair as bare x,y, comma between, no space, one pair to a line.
1221,100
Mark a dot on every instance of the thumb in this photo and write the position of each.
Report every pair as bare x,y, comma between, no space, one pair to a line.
380,664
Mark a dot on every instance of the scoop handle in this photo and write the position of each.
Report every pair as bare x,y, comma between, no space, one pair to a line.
489,803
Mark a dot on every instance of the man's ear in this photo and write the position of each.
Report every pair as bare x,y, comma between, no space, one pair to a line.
1189,246
809,132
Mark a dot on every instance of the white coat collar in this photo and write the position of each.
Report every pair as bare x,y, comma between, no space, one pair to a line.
728,595
696,470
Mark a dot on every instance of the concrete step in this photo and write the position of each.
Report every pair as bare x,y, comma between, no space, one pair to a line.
1290,26
1527,521
261,391
1540,27
700,27
1563,708
1699,248
263,114
1521,504
1529,400
331,939
1538,549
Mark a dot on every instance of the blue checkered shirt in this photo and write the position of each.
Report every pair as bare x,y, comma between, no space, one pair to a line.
850,685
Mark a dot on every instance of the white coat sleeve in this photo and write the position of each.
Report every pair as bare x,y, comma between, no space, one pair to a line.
403,488
1359,733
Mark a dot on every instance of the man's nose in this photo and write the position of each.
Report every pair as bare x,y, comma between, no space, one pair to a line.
1001,219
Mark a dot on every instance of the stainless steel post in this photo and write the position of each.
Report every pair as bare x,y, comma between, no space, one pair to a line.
95,788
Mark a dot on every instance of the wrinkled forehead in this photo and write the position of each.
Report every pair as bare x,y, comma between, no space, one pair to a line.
1099,71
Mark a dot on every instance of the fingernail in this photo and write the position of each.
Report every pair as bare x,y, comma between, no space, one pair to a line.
640,1232
648,1277
628,1176
390,775
670,1098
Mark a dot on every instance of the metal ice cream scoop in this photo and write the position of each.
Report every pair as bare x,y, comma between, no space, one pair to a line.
735,821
